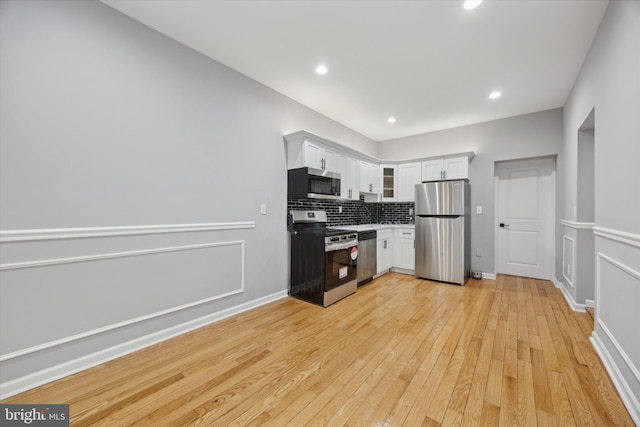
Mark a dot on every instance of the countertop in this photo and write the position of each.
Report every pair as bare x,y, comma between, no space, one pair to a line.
366,227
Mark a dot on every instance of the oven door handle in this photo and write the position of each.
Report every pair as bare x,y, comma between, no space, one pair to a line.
339,246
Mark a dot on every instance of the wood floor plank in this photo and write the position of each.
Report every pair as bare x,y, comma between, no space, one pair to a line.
458,399
402,351
561,405
440,400
493,393
475,401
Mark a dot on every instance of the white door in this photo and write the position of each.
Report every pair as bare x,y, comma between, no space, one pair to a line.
525,215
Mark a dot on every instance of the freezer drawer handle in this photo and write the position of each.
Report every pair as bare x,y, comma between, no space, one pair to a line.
503,225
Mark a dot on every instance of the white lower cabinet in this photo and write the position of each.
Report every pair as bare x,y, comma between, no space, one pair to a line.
384,257
404,252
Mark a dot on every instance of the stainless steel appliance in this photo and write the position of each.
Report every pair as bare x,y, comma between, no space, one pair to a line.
443,232
309,183
367,255
323,261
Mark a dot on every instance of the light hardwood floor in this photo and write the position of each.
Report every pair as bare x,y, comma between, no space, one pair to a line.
400,352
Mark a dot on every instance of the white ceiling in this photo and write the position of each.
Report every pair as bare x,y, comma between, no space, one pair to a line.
430,64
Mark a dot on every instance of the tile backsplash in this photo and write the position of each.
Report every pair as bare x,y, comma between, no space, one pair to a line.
356,212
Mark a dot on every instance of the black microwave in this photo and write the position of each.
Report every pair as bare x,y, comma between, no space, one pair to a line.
309,183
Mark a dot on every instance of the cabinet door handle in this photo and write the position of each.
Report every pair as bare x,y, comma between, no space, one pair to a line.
385,244
371,188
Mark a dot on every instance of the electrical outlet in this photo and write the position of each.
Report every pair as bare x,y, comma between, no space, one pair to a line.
479,252
263,209
479,209
339,209
410,211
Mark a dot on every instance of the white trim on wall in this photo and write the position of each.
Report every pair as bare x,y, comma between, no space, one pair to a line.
55,261
631,239
96,331
569,298
635,274
620,383
578,225
620,380
62,370
7,236
566,238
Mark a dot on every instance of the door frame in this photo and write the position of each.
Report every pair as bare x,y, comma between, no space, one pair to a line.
551,220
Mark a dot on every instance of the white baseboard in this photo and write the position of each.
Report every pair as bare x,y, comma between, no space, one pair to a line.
489,276
403,271
622,386
590,303
53,373
569,298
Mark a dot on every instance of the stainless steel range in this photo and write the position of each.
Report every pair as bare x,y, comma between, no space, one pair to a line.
323,260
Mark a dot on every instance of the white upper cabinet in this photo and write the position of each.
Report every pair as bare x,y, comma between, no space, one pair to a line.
347,167
318,157
304,152
362,174
389,177
369,177
432,170
456,168
449,168
409,174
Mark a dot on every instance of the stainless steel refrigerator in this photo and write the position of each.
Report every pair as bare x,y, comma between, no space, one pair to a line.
443,234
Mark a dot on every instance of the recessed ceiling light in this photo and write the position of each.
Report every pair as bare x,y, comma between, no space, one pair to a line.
391,120
471,4
495,94
321,69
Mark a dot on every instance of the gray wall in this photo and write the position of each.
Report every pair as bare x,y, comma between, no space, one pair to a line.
105,123
530,135
609,84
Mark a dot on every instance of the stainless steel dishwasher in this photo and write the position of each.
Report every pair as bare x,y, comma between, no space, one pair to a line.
367,264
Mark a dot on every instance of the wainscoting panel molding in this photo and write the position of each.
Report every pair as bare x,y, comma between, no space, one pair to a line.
615,336
105,290
70,292
621,280
568,259
7,236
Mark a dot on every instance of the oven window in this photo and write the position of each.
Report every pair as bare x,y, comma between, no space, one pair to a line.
340,268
